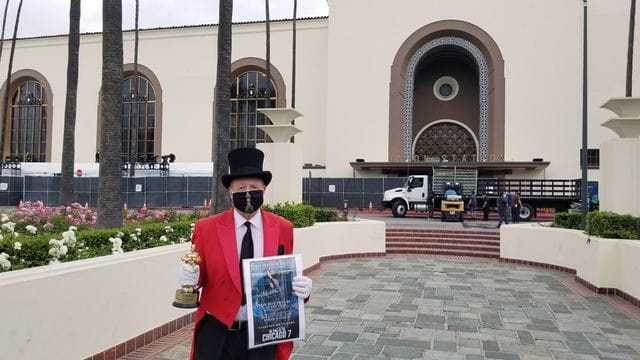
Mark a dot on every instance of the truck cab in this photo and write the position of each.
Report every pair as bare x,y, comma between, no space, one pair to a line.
412,196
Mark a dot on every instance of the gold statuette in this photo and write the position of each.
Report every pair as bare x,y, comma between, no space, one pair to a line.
187,295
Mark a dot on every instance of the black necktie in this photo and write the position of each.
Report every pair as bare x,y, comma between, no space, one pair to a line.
246,252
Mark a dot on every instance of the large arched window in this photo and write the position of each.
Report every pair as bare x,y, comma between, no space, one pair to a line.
249,93
145,102
29,122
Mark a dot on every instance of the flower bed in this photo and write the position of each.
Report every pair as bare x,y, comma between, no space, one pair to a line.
36,235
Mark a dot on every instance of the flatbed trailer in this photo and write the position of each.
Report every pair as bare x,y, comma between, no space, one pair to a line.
557,194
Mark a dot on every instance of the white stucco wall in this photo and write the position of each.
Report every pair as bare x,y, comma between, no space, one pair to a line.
620,185
344,73
629,267
604,263
541,43
184,61
326,239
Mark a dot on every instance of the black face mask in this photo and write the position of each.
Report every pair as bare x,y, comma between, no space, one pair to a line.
248,201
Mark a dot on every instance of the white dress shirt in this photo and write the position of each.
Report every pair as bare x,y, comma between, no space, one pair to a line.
257,234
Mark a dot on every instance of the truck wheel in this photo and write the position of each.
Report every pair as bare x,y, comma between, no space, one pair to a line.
526,212
399,208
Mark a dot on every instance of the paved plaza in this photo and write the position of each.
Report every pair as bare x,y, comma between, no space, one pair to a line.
426,308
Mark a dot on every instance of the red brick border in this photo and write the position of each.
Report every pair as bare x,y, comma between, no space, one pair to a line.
145,339
598,290
538,264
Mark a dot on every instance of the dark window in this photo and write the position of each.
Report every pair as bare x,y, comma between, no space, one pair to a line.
140,105
593,158
249,93
29,122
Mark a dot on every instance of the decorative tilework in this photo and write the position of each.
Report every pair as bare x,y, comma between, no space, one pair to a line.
484,92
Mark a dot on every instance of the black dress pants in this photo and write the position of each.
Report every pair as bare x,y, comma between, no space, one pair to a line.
214,341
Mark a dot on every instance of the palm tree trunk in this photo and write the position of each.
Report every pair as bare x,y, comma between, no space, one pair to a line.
109,195
136,82
293,60
222,114
4,23
632,25
268,55
68,144
5,101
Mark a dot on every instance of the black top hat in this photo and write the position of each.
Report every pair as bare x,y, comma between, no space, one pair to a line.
245,163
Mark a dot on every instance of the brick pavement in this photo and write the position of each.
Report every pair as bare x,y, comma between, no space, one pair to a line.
426,308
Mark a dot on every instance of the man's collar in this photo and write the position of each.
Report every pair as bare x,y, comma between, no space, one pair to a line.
239,220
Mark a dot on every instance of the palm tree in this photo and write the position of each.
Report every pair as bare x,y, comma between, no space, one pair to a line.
5,101
136,81
4,22
221,123
68,144
293,60
267,22
632,25
109,195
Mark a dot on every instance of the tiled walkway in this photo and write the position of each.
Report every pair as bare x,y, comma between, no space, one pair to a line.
425,308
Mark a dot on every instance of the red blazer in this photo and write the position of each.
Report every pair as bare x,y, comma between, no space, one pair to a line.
215,241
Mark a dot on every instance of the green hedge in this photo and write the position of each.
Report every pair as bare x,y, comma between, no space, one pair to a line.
326,215
301,215
90,243
603,224
568,220
610,225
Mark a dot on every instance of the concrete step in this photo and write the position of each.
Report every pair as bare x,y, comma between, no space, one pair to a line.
445,252
396,235
439,241
441,231
466,247
444,240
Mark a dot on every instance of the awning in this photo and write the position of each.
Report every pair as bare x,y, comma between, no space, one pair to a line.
426,167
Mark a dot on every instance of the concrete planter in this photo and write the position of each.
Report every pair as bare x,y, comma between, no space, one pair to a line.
610,264
78,309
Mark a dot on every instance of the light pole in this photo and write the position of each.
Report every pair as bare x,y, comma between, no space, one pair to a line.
583,182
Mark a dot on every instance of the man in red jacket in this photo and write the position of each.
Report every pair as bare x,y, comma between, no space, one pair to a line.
223,241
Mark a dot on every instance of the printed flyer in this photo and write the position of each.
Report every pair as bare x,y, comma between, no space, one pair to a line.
275,313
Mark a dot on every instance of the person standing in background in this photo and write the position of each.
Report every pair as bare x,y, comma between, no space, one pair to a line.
515,209
485,208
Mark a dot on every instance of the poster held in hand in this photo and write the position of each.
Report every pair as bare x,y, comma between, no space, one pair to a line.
274,311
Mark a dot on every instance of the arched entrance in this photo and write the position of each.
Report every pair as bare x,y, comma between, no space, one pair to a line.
448,69
446,140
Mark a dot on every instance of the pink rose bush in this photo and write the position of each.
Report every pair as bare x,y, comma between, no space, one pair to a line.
36,235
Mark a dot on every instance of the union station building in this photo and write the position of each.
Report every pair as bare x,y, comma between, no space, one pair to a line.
385,89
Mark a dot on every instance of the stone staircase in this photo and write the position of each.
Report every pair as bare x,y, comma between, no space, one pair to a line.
442,241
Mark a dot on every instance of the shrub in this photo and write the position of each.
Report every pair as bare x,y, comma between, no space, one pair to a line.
301,215
607,224
568,220
35,250
325,215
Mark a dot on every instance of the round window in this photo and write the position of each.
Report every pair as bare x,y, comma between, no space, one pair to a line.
446,88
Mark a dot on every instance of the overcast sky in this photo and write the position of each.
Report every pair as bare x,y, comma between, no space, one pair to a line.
51,17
